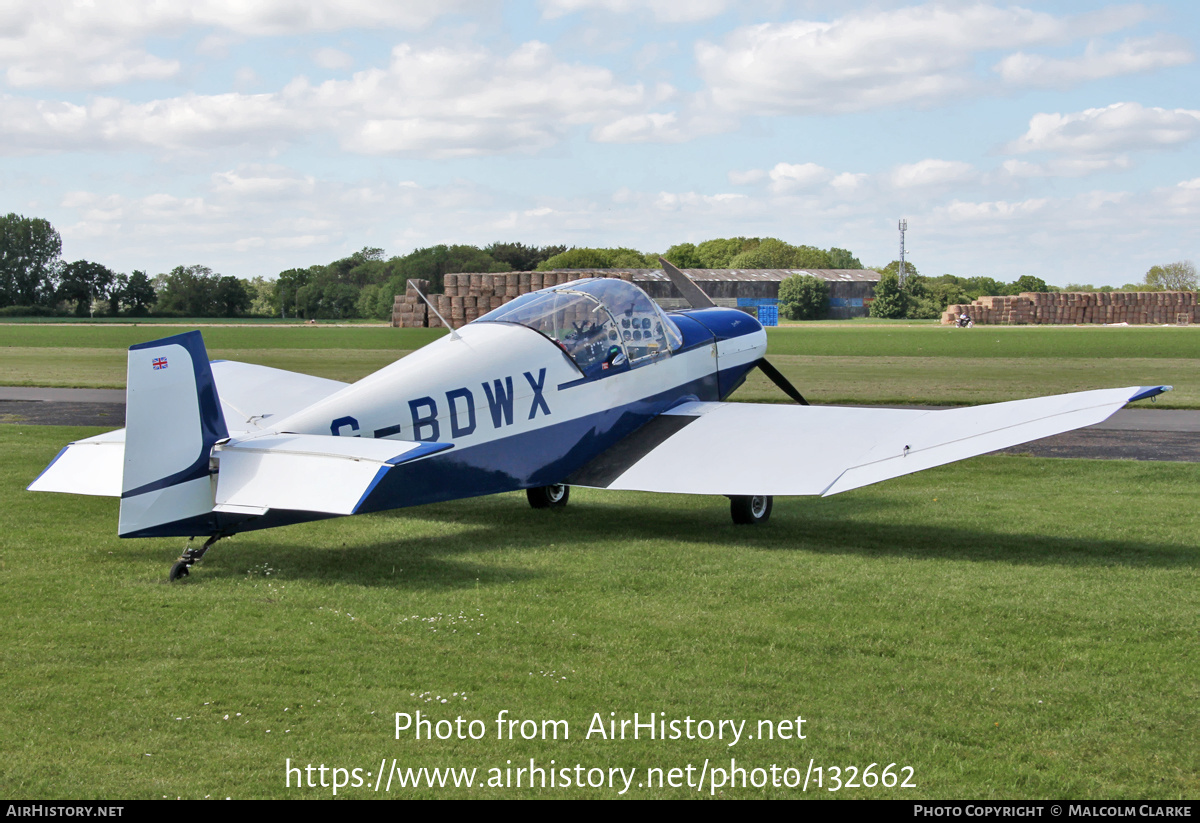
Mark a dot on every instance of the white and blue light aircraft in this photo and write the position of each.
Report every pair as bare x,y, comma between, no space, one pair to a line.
589,383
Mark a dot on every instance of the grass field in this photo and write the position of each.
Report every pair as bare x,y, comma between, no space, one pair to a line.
846,363
1007,627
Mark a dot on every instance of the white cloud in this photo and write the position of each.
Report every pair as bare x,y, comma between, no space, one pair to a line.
960,211
692,201
932,172
848,182
191,122
786,177
666,11
865,60
262,183
1064,166
1116,128
76,71
1130,57
439,102
68,44
747,178
1180,201
259,220
245,77
452,102
328,58
641,128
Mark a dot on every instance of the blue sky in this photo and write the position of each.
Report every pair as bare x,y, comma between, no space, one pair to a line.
1054,139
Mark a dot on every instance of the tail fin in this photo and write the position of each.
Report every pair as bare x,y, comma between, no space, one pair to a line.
172,418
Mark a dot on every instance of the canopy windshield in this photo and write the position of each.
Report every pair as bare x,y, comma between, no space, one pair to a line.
593,320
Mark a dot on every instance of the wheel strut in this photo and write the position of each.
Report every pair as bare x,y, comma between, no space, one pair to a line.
190,556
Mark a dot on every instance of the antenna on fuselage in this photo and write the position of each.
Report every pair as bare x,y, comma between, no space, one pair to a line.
429,303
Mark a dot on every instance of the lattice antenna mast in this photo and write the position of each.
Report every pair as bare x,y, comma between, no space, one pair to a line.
903,229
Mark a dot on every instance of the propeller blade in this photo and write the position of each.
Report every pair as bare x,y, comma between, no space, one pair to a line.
775,376
692,293
697,299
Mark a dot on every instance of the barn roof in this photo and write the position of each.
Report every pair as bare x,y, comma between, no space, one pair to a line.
747,275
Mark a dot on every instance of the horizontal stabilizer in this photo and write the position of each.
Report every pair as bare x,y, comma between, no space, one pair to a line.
251,397
306,472
754,449
90,466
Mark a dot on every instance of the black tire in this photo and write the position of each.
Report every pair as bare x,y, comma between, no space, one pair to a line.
179,571
747,511
549,497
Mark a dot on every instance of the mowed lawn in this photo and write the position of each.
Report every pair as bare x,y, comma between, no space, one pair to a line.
1006,627
829,363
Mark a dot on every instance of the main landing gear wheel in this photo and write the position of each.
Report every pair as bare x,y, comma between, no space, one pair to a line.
180,569
750,510
549,497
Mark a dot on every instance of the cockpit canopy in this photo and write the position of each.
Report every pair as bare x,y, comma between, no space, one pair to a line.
599,322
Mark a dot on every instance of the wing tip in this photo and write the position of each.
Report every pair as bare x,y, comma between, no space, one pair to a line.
1149,391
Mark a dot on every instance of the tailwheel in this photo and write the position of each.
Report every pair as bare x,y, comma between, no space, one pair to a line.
747,510
549,497
183,565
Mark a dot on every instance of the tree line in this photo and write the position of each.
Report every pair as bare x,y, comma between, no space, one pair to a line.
34,280
925,298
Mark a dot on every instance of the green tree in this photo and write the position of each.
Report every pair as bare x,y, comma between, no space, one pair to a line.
119,284
29,260
979,286
84,282
684,256
521,257
894,268
843,259
587,258
1178,276
230,297
186,291
1027,282
287,286
375,302
772,253
435,262
264,301
718,253
197,291
804,297
921,298
137,294
890,301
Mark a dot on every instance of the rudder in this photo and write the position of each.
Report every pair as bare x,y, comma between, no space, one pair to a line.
172,419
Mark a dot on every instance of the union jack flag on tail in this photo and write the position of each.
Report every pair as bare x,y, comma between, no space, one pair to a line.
159,363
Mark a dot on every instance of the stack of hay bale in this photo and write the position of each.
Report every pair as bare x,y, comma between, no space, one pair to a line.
409,310
1155,308
469,296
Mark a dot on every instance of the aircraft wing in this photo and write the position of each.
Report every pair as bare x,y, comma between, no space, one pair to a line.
758,449
249,395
